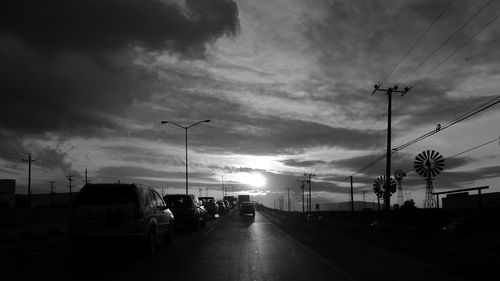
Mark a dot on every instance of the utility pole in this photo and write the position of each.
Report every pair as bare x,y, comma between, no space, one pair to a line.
29,160
389,92
302,189
86,179
70,179
309,208
352,198
52,193
364,198
288,201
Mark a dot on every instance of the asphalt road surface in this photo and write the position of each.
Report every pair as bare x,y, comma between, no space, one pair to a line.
229,248
243,248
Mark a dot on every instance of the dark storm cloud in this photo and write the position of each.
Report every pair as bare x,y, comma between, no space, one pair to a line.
68,66
365,39
262,136
52,159
12,149
457,179
374,35
134,154
431,103
303,164
94,26
141,175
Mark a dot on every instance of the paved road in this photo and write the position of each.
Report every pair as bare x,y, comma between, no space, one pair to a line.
230,248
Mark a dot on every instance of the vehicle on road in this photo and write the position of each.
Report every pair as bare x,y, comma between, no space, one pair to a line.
222,207
210,206
247,208
187,209
228,205
232,200
243,198
107,212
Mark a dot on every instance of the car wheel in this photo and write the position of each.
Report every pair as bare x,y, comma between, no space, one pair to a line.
151,241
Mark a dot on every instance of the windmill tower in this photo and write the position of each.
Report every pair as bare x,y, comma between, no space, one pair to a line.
399,175
429,164
379,187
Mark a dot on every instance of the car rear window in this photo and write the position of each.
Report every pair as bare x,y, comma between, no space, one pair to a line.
178,201
106,195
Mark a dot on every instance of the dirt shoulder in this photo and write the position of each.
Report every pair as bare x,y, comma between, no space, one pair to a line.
392,253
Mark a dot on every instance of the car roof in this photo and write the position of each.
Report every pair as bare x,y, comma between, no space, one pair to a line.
179,195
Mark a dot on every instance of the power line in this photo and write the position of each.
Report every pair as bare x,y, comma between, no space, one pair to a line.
454,121
447,39
470,149
461,118
463,44
418,40
11,153
369,165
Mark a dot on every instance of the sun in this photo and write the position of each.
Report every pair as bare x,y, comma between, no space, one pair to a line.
252,179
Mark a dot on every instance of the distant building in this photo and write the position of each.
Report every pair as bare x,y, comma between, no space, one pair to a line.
7,193
464,200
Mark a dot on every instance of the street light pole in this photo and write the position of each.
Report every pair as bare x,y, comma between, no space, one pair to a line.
223,189
186,136
186,130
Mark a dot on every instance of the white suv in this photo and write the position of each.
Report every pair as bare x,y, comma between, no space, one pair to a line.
102,211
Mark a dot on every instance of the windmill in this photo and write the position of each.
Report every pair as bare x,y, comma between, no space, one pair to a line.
379,188
429,164
399,175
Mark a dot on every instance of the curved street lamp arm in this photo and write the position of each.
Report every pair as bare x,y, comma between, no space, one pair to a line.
173,123
204,121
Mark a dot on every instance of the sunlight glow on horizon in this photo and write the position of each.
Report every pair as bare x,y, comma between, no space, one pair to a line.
251,179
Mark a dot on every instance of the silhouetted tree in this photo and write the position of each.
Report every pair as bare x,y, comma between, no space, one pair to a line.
408,205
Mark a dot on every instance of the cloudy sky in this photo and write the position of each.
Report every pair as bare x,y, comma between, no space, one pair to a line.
287,85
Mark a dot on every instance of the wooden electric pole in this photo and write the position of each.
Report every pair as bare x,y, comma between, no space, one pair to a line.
387,186
29,160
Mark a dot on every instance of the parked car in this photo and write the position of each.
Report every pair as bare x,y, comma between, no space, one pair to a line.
102,211
222,207
187,209
228,205
247,208
232,200
210,206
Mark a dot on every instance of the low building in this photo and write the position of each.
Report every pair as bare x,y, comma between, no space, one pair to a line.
7,193
465,200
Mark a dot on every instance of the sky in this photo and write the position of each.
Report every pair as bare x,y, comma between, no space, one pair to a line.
286,84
